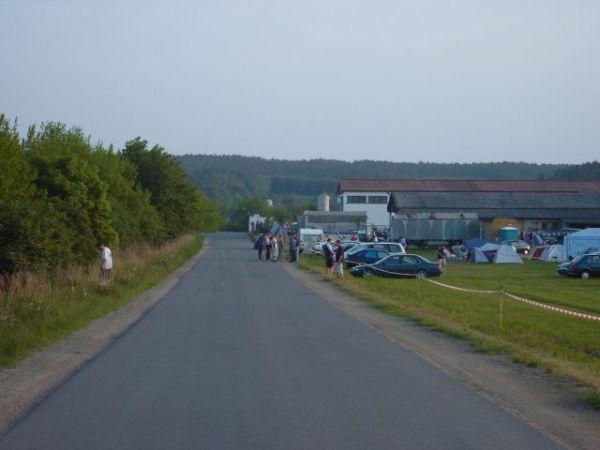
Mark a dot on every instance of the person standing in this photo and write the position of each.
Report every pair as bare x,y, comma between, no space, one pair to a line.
339,259
279,248
260,245
328,253
106,262
403,243
268,247
293,249
274,248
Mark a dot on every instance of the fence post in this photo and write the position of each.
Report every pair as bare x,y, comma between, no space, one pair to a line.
501,304
418,289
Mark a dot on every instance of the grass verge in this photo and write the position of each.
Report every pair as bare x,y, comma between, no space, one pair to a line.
563,345
39,310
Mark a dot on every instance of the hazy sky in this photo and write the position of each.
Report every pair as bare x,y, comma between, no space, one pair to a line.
398,80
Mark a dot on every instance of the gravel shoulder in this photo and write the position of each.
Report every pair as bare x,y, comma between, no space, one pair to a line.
28,382
548,403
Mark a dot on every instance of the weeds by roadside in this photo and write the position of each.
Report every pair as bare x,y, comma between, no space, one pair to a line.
38,309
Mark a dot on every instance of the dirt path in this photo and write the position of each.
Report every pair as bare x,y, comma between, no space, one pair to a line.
542,400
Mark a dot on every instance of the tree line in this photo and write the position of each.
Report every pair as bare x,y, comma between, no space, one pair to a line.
232,179
60,195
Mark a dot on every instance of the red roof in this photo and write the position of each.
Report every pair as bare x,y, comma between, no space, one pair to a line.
429,185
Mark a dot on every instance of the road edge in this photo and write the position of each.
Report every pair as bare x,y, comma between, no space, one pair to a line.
535,397
26,384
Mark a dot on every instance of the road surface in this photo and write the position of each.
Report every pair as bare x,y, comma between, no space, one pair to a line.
239,355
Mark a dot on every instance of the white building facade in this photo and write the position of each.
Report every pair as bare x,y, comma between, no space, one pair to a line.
373,203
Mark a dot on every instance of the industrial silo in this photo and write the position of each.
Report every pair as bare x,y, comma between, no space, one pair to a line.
323,202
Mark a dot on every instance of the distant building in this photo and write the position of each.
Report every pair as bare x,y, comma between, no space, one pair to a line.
369,196
429,209
333,221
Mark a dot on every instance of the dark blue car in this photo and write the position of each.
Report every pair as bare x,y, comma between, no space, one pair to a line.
583,266
399,266
365,256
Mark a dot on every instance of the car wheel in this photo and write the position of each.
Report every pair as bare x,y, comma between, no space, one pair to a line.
421,274
585,275
367,273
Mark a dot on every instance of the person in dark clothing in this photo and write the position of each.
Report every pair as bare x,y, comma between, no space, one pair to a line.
260,245
294,249
339,259
328,252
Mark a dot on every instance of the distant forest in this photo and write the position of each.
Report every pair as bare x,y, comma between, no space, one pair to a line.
230,178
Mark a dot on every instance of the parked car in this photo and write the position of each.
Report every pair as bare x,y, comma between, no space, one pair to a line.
390,247
399,266
365,256
318,246
520,246
583,266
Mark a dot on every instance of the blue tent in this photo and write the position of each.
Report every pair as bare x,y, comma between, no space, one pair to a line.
476,243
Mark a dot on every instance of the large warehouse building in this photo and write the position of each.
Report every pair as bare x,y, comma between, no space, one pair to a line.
459,209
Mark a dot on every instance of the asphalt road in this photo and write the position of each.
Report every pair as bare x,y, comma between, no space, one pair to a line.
241,356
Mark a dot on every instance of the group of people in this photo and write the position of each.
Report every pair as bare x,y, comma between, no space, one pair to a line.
334,258
269,246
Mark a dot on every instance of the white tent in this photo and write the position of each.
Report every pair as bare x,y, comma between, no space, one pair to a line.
506,254
552,253
478,256
583,241
489,247
537,252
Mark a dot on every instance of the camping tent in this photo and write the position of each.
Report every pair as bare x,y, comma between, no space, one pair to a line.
473,243
584,241
479,256
489,250
536,254
506,254
552,253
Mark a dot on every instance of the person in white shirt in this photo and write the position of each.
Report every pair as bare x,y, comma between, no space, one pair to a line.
106,261
274,249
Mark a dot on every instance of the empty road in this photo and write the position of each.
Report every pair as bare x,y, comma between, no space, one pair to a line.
241,356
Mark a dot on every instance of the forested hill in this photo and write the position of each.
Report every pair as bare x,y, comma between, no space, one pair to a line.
228,179
225,177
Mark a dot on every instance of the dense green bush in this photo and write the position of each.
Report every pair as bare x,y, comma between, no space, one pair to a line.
60,195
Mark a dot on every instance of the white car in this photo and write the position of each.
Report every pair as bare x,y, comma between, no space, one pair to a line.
393,248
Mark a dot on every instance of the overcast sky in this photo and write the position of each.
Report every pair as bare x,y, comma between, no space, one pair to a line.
397,80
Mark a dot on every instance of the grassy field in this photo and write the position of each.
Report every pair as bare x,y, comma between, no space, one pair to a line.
563,345
41,310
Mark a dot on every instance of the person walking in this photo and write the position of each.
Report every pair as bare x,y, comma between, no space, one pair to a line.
260,245
328,253
106,262
339,259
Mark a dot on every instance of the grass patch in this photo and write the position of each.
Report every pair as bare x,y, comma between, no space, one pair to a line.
592,400
40,310
566,346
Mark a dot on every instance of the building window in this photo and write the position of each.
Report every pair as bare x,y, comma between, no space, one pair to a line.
378,199
356,199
